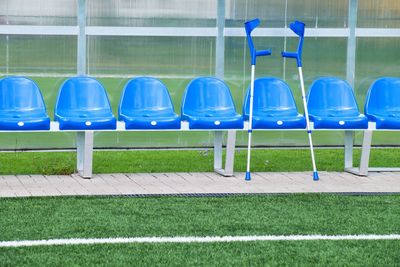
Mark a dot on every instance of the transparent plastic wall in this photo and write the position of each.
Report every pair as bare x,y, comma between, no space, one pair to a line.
38,12
173,59
47,59
176,59
376,56
38,54
322,56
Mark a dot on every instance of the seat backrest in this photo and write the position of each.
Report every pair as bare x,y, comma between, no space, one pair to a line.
82,94
271,96
206,96
145,94
330,96
383,97
20,94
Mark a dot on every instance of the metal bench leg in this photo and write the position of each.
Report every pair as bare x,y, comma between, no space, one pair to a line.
84,157
348,149
217,150
366,149
230,153
365,152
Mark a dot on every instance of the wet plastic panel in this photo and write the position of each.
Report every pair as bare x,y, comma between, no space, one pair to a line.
167,57
152,13
46,55
378,14
38,12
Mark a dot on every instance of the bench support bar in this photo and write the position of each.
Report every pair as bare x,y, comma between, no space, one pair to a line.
230,153
84,155
364,161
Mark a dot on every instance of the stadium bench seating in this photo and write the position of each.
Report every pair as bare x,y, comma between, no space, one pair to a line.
82,104
382,104
146,104
273,106
21,105
332,105
207,104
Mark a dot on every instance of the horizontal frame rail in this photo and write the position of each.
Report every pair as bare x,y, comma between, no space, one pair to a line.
191,31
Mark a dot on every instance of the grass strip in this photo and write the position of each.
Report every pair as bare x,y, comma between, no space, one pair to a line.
185,161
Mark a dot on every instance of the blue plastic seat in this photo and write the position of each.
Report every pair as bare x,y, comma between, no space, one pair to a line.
332,105
82,104
146,104
208,104
273,106
21,105
383,103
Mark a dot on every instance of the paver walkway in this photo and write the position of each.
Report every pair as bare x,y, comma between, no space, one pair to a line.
195,183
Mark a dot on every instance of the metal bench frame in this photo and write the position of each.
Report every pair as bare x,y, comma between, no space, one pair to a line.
85,140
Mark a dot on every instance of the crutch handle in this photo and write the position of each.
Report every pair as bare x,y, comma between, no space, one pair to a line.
298,28
289,54
263,53
249,26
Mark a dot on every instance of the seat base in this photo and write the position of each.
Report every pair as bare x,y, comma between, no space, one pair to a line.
73,123
275,122
214,122
386,122
146,123
25,124
356,122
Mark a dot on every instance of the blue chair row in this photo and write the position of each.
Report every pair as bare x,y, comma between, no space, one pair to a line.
331,105
82,104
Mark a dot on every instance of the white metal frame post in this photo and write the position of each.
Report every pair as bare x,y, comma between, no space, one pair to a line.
84,139
350,75
84,153
219,72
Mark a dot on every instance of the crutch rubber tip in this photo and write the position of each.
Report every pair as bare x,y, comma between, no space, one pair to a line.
248,177
315,176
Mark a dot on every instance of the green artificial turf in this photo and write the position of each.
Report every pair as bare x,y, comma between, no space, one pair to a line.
185,161
305,253
96,217
55,217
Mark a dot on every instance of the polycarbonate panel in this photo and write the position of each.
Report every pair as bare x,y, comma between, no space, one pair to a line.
315,13
271,13
38,12
152,13
3,53
319,14
376,57
321,57
176,60
378,14
42,54
153,56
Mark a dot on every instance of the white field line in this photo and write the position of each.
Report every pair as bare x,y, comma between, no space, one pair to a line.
191,239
